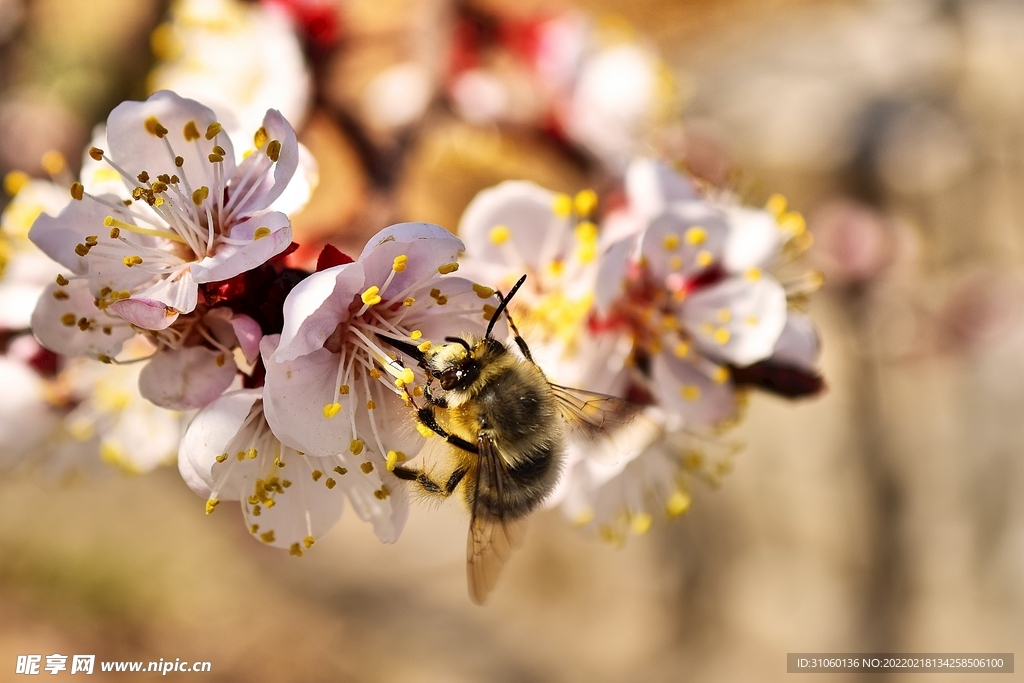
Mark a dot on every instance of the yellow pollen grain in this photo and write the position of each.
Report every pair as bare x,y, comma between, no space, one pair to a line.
316,474
15,182
210,505
213,129
200,195
251,453
776,204
482,291
331,409
62,281
295,550
704,258
561,205
366,467
356,447
399,264
391,461
308,541
425,346
261,232
371,405
375,373
340,470
641,523
585,202
274,150
425,431
499,234
753,274
68,319
77,191
696,235
132,261
691,392
330,483
267,537
671,242
415,334
792,223
681,350
724,315
448,268
722,336
371,296
96,153
409,301
344,389
254,528
153,127
678,504
407,376
720,375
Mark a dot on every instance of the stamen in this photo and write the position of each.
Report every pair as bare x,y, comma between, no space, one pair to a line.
111,222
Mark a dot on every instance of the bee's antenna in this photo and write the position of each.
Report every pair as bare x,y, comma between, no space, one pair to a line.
504,302
460,340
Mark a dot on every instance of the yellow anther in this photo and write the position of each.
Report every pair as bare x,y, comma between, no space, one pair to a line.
274,150
210,505
678,504
344,389
720,375
261,232
316,474
254,528
96,153
356,447
499,234
407,376
586,232
722,336
260,138
562,205
330,483
696,235
691,392
308,541
53,162
61,295
375,373
681,350
488,311
409,301
251,453
200,195
425,431
776,204
331,409
213,129
295,550
753,274
585,516
77,191
371,405
704,258
68,319
267,537
671,241
191,131
585,202
366,467
724,315
392,460
793,223
399,264
371,296
425,346
483,292
153,127
415,334
675,263
62,281
340,470
556,268
132,261
115,233
15,182
448,268
641,523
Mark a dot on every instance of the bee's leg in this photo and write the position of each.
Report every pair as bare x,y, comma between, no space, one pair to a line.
440,402
428,484
426,417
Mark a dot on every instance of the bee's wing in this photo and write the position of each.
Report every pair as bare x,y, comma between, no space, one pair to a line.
492,535
591,413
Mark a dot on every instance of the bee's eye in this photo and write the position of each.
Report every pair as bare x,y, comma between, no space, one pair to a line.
454,378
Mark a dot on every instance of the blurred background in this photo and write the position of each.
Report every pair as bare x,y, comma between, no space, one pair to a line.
878,517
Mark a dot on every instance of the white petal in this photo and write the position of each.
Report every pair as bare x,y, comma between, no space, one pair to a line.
526,209
208,436
427,246
315,306
737,320
754,239
684,240
271,186
186,378
685,391
58,235
799,343
71,340
145,313
232,259
652,185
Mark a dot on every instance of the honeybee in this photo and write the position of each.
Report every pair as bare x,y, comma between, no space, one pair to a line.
504,425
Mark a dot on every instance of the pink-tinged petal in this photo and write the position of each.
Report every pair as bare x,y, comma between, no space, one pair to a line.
187,378
681,389
249,334
426,245
178,292
232,259
799,343
305,180
58,235
208,437
738,320
102,336
26,419
135,149
296,393
755,239
244,199
364,489
306,508
612,275
145,313
684,240
527,211
652,185
315,307
437,322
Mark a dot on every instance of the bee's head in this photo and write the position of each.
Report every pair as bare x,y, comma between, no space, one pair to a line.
456,365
